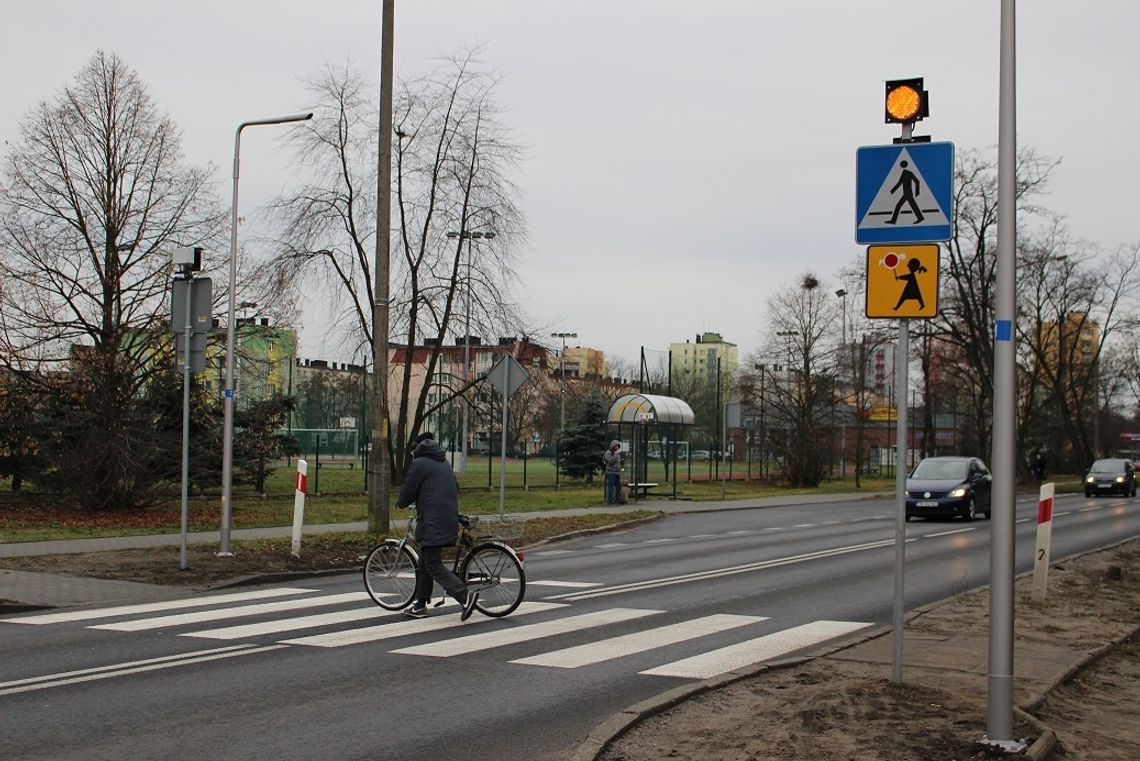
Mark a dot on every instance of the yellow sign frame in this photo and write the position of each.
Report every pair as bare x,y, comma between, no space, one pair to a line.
902,281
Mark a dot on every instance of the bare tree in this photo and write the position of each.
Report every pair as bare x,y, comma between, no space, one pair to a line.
1076,303
453,159
802,321
96,196
966,308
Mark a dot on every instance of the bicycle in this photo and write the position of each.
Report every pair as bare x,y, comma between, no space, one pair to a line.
486,565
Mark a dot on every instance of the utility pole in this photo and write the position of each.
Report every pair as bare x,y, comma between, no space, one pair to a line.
379,473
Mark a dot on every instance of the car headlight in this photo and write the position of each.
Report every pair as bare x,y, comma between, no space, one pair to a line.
1090,480
906,492
1120,479
958,492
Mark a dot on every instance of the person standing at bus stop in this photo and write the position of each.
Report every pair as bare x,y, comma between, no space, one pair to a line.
612,462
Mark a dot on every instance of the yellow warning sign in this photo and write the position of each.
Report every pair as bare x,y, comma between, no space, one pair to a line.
902,281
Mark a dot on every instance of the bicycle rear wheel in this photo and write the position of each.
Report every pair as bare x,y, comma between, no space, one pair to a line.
390,575
496,574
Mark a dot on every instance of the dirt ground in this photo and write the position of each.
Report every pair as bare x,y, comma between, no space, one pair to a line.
847,711
827,709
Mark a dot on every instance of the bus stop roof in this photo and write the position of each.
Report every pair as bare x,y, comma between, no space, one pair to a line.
649,408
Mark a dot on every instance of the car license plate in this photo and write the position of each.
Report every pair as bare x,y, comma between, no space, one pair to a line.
926,504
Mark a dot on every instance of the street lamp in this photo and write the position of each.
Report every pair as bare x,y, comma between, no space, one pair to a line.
562,396
228,429
462,236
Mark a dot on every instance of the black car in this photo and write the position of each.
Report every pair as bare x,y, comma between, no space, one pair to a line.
1112,476
949,487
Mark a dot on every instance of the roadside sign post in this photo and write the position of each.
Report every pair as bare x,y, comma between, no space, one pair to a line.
1044,539
904,199
506,376
190,317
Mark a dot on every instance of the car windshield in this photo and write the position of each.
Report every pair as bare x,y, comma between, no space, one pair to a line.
1107,466
941,470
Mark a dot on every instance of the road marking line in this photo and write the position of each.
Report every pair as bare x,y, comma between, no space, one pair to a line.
608,546
405,628
638,642
501,637
717,572
568,584
152,607
179,619
756,650
135,667
950,533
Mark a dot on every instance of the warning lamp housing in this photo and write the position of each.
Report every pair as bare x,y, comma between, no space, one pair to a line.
905,101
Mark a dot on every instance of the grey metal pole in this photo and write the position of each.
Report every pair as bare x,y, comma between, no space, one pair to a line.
503,445
999,725
902,362
182,560
467,360
228,422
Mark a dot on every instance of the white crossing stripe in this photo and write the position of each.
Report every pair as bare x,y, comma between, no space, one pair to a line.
151,607
219,614
500,637
755,650
567,584
404,628
628,644
292,624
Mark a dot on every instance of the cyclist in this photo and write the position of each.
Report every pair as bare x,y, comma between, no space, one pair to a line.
431,485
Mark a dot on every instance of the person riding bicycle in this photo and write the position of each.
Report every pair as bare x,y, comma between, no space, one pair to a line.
431,485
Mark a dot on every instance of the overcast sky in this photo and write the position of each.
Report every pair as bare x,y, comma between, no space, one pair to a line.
684,157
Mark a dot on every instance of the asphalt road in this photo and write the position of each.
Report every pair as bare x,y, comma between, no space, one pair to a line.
315,671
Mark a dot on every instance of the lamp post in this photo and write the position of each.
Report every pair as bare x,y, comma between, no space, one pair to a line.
463,235
562,398
228,423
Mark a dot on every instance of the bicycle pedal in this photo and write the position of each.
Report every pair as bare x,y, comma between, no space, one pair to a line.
442,600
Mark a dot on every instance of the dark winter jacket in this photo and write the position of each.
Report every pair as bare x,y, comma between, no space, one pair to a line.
431,484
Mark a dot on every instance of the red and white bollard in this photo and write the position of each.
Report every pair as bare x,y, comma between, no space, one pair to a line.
299,505
1044,537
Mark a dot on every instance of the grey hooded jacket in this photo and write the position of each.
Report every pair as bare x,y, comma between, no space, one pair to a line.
431,484
611,459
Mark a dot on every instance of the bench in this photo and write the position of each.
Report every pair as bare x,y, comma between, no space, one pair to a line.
641,489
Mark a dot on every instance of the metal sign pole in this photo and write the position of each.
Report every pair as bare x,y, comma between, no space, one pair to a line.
189,336
503,449
902,361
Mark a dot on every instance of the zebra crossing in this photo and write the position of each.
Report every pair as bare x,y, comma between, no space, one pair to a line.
309,618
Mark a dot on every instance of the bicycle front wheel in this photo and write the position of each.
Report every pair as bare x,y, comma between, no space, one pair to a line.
390,575
496,574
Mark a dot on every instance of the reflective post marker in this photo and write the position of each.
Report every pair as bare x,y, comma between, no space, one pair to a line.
299,505
1044,538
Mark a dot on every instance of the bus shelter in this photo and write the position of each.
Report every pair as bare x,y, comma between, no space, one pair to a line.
639,414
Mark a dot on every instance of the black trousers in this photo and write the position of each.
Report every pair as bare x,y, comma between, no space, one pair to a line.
432,569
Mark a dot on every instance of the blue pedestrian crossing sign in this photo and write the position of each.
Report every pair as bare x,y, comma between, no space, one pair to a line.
904,193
